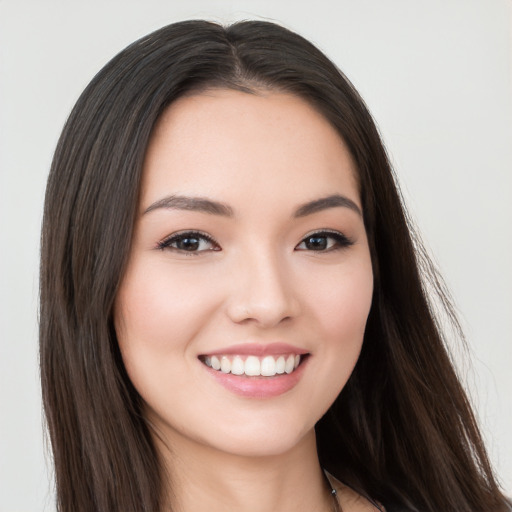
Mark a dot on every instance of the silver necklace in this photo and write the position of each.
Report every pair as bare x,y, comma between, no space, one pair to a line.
336,504
336,507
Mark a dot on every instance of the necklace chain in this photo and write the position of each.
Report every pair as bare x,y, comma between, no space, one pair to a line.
336,504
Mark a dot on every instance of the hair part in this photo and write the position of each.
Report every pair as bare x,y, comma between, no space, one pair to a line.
402,429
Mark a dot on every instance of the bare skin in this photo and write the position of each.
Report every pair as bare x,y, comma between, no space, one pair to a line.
268,261
231,483
350,500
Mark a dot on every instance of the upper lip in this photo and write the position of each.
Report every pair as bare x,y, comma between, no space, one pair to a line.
258,349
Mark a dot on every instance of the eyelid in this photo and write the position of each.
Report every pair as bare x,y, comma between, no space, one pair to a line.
324,231
343,241
165,243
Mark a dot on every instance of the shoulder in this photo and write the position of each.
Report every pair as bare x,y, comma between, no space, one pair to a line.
352,501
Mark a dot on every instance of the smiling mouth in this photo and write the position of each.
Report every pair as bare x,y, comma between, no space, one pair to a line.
253,366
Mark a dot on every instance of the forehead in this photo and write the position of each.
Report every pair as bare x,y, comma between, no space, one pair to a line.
231,144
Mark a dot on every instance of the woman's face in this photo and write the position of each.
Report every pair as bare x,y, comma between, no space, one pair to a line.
249,253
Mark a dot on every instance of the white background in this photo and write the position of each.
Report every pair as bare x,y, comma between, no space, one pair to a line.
435,73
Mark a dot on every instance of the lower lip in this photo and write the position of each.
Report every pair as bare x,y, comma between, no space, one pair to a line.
258,387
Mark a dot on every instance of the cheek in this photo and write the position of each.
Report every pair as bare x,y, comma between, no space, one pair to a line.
340,310
342,304
160,309
347,311
157,316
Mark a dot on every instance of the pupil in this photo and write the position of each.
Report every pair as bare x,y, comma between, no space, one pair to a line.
188,244
316,243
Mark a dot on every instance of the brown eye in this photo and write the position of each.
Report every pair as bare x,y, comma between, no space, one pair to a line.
317,243
324,241
189,242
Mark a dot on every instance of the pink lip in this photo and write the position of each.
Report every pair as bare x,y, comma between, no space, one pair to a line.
258,349
258,387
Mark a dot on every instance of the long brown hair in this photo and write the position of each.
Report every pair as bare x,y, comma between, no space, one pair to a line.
401,431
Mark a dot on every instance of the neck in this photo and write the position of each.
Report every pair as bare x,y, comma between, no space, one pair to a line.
202,478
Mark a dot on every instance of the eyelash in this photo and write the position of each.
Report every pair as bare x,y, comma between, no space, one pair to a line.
166,243
341,241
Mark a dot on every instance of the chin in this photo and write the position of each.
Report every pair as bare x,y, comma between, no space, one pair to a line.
246,435
265,443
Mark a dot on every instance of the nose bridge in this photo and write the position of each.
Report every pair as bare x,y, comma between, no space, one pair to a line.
263,288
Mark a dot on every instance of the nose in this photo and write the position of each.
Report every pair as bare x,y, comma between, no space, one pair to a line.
263,291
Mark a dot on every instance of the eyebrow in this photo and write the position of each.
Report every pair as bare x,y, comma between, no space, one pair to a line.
198,204
202,204
333,201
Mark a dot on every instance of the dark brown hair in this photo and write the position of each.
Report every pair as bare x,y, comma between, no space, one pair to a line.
401,431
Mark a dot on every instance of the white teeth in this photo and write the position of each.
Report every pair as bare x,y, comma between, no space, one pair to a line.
237,366
280,364
254,366
225,365
215,363
290,363
268,366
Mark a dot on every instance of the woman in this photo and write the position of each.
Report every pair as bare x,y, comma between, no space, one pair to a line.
232,311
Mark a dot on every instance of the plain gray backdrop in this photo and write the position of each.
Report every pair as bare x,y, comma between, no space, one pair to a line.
436,75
